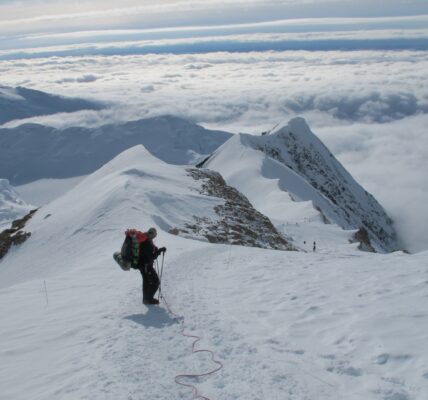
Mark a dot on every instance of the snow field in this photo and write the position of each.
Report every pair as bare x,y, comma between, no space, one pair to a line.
315,326
284,324
331,325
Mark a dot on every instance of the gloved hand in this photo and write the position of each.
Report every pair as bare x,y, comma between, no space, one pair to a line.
162,250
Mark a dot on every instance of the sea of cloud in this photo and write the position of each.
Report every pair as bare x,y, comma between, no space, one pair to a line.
370,107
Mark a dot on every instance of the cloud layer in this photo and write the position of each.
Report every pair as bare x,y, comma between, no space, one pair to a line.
391,161
396,33
247,91
371,107
63,15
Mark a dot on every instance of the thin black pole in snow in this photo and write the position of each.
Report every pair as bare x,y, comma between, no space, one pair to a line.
46,292
160,277
161,272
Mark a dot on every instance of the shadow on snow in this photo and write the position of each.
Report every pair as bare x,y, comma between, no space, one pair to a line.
155,317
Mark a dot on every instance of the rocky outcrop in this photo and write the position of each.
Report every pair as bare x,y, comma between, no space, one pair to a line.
239,222
15,235
300,150
362,236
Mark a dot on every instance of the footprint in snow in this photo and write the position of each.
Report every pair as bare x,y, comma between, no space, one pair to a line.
342,370
311,310
396,396
382,359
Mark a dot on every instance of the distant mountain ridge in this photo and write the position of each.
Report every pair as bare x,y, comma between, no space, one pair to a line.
294,161
20,102
31,151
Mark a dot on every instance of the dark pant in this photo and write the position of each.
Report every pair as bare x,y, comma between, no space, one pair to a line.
150,281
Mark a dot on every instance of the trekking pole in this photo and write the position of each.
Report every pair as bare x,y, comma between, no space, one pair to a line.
161,271
160,276
157,267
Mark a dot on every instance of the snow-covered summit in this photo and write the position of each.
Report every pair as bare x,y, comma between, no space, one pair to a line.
20,102
138,190
293,164
31,151
11,204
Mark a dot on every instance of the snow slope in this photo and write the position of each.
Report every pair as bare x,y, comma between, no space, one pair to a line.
292,177
11,205
134,189
286,325
30,152
43,191
20,102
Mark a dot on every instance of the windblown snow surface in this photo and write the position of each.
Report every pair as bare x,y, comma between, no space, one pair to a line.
331,324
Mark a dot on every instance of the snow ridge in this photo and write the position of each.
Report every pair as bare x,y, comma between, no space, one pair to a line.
307,171
136,189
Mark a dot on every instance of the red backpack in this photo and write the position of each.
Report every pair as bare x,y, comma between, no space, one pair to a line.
130,250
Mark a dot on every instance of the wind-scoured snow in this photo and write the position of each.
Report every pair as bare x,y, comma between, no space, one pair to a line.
293,178
18,103
31,152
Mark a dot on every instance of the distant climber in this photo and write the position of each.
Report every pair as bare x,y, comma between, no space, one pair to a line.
315,247
139,252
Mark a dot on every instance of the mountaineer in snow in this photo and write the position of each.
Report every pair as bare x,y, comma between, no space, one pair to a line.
148,254
139,252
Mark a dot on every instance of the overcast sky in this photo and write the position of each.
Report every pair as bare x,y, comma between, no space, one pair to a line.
200,12
136,26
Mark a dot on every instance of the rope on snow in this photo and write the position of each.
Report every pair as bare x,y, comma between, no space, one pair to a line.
180,320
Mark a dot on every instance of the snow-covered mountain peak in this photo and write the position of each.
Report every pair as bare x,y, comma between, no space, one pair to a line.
301,168
134,159
9,93
18,103
297,125
30,152
137,190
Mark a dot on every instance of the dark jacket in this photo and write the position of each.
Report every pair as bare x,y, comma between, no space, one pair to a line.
148,253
